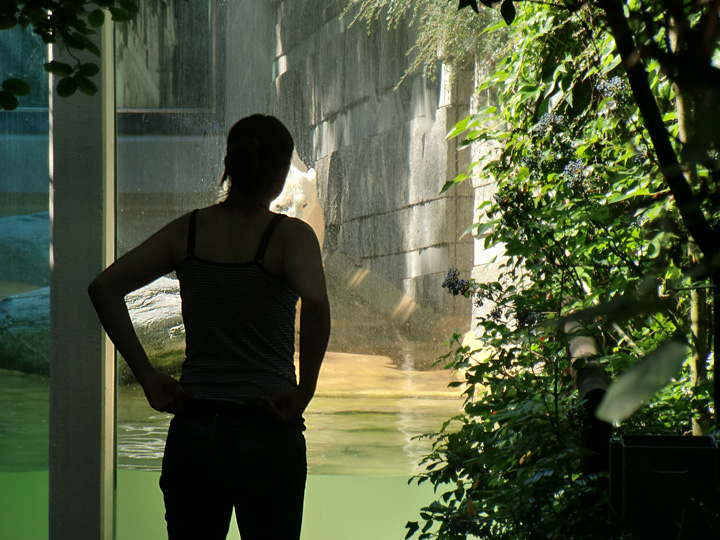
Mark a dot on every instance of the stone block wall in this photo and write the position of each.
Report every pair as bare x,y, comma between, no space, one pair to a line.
379,149
486,261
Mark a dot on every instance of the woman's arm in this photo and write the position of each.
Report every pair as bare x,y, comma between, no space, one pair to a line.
303,269
154,258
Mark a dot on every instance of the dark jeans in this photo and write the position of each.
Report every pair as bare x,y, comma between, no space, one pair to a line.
217,461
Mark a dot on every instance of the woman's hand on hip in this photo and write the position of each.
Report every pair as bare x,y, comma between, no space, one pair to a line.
163,392
287,406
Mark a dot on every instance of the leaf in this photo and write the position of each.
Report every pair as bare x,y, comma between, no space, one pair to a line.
507,9
66,87
8,101
17,87
130,6
463,125
89,69
59,69
642,380
556,99
469,3
493,27
74,41
478,229
450,183
638,191
412,527
96,18
85,85
119,14
89,44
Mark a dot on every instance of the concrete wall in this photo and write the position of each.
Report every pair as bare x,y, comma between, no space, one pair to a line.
486,261
380,151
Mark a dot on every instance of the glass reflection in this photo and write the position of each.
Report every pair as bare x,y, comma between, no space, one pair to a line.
24,292
375,394
161,68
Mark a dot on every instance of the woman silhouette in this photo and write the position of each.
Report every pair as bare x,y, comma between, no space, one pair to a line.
236,440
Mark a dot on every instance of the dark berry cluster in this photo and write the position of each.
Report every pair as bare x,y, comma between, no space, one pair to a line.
615,89
483,294
612,87
550,145
640,157
548,121
532,162
514,205
468,288
638,221
496,313
526,318
488,294
574,173
462,527
454,284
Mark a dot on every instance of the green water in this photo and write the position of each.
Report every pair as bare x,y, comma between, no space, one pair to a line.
374,436
361,451
337,507
24,429
24,505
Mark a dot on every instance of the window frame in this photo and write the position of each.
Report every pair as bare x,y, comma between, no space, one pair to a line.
191,121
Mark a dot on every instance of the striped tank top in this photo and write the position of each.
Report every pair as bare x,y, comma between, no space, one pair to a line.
239,326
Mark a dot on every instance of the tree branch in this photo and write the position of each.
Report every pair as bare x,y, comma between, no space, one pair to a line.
687,203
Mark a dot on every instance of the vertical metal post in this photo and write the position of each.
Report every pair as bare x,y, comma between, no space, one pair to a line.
82,442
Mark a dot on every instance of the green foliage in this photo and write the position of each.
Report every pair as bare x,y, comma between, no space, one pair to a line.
443,35
588,230
70,23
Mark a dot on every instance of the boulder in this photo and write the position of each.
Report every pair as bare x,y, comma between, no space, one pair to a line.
156,313
25,332
154,309
25,249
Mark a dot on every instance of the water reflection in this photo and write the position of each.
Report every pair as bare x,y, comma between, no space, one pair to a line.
364,421
24,413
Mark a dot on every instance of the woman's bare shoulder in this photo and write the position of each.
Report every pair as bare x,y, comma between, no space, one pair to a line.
303,259
174,235
297,228
177,228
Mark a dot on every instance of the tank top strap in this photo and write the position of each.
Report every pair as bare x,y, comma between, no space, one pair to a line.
191,234
267,234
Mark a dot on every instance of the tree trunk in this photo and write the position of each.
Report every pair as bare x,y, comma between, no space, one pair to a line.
699,315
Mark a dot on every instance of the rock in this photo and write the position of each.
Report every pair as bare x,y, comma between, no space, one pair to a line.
25,332
25,249
155,311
